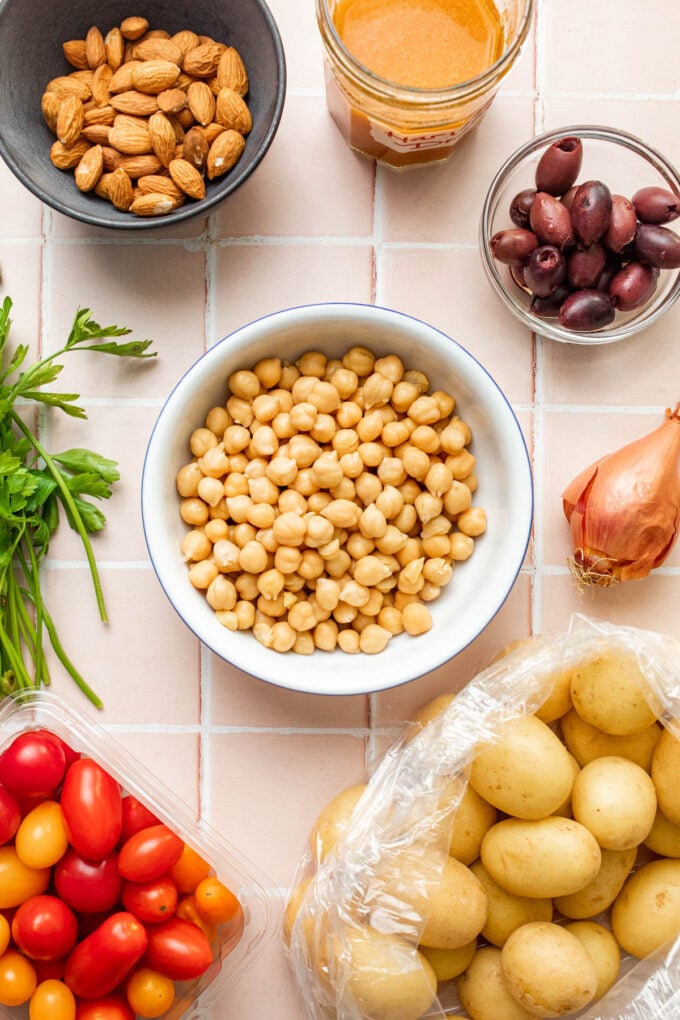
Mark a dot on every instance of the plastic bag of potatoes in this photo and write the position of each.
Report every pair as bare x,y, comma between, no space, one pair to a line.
516,853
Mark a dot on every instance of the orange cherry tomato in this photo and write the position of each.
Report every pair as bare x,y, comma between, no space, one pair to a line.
17,978
216,903
52,1000
186,909
5,933
41,839
18,882
189,870
150,993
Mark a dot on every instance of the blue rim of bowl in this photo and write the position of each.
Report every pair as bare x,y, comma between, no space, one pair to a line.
544,327
526,462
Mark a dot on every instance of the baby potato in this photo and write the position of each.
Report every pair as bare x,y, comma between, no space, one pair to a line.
333,820
506,912
609,692
558,701
483,992
425,715
526,772
615,799
449,963
603,950
647,910
665,772
544,858
587,742
548,970
664,837
599,894
472,821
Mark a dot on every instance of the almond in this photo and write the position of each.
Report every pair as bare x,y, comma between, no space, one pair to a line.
158,49
187,178
195,148
201,102
112,158
68,85
139,166
133,28
114,44
172,100
153,76
153,205
184,81
186,40
101,188
66,157
98,134
231,71
119,187
224,152
162,136
130,136
74,51
202,61
49,104
122,78
232,111
95,50
89,169
137,104
178,129
211,131
100,85
185,118
70,120
155,184
99,115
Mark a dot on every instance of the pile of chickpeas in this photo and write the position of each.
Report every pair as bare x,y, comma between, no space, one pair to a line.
328,501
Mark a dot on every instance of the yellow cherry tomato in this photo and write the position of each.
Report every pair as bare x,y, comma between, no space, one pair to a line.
52,1000
5,933
189,870
18,979
41,839
186,909
217,904
17,881
149,993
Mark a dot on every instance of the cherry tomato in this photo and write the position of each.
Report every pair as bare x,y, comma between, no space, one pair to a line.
5,933
32,765
217,904
92,806
44,928
178,949
108,1007
41,839
87,886
150,902
70,755
52,1000
186,908
190,869
102,960
149,853
10,815
18,882
149,993
135,817
17,978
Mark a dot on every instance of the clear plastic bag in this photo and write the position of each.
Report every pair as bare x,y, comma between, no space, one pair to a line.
403,826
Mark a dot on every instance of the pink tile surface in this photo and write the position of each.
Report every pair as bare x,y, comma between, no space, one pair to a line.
315,222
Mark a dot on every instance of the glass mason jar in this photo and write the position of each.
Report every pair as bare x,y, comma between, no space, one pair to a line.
402,126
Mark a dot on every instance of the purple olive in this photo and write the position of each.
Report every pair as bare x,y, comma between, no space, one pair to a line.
656,205
633,286
549,307
512,246
545,270
520,206
559,166
586,310
585,265
568,197
622,224
657,246
550,220
591,211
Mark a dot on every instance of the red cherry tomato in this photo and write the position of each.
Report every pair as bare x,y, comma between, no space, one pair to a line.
88,887
33,765
70,754
44,928
150,902
91,803
149,853
102,960
10,815
135,817
178,949
109,1007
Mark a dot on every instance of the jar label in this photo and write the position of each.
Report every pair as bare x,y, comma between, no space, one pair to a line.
425,140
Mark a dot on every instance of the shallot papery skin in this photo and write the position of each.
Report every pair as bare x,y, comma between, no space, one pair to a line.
624,510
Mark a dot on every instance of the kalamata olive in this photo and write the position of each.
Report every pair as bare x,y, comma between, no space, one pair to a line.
633,286
591,211
545,270
586,310
550,220
657,246
559,166
585,265
549,307
656,205
520,206
513,245
622,224
568,197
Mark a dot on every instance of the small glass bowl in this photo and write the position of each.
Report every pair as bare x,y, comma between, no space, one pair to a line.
625,164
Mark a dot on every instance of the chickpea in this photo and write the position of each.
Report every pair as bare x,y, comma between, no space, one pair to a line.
289,529
241,411
265,536
324,428
352,465
270,583
472,522
268,372
438,479
214,462
370,427
445,401
391,366
210,491
457,499
202,440
326,470
196,545
373,639
377,390
245,614
243,533
424,411
345,382
282,426
372,454
342,513
263,633
403,395
437,545
461,546
348,414
282,471
283,636
372,522
324,396
348,641
319,530
428,506
221,593
187,479
425,438
416,463
416,618
374,604
236,438
345,441
317,501
287,559
390,619
227,618
295,583
301,617
437,571
303,416
452,438
436,526
418,379
263,490
203,573
216,530
391,471
219,511
238,462
304,482
303,450
265,442
345,489
256,468
360,360
304,644
238,507
392,541
244,383
354,594
312,565
395,433
368,571
216,421
460,464
368,487
357,545
471,481
429,592
291,501
261,515
411,550
193,510
312,363
344,613
235,484
326,635
226,555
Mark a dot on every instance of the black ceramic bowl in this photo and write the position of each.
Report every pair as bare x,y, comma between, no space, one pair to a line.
31,37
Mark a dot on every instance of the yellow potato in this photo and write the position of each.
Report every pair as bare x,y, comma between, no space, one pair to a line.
603,950
587,742
449,963
647,910
615,799
505,910
558,700
333,820
665,772
425,715
599,894
609,692
483,992
664,837
544,858
548,970
473,819
526,772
